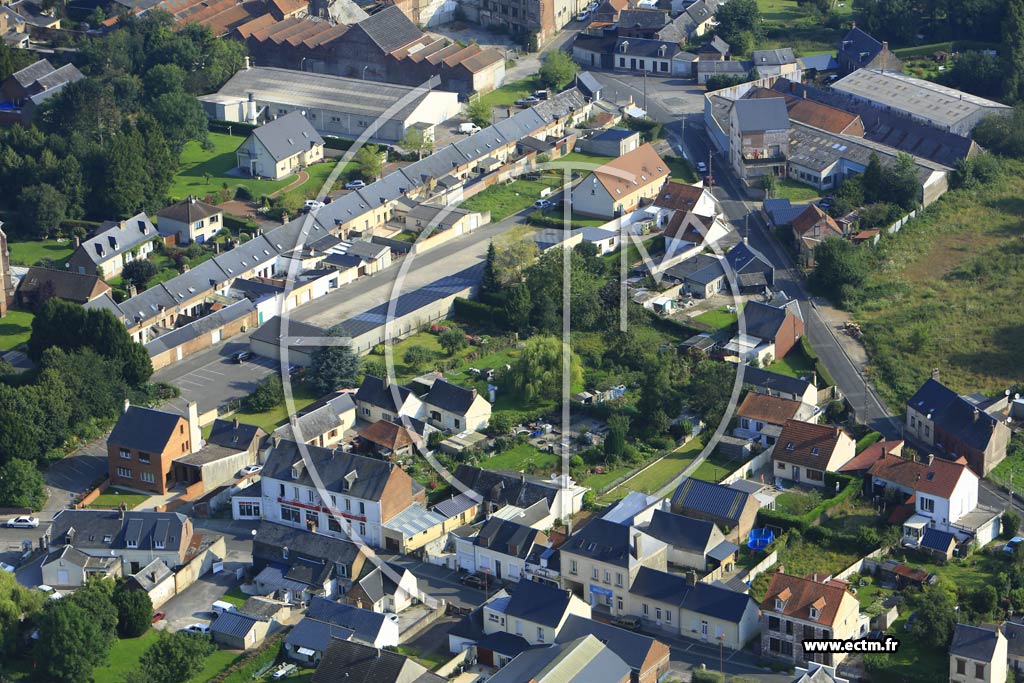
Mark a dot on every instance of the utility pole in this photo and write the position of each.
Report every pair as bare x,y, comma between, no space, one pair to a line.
645,90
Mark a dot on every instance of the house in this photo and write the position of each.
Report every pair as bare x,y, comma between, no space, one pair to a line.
533,611
238,631
309,639
754,272
368,627
641,23
39,285
974,427
190,220
236,435
345,660
758,138
644,55
498,489
343,107
817,673
647,657
68,567
24,91
583,659
1014,632
762,417
115,244
361,257
978,653
145,443
606,240
732,510
694,543
618,186
609,142
323,423
779,326
806,451
452,408
701,276
775,384
298,564
796,609
601,560
500,548
364,492
390,440
858,50
709,68
778,62
388,588
378,399
681,605
811,227
715,49
863,461
280,148
943,491
156,579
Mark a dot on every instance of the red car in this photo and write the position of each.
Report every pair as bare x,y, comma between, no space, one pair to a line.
709,181
158,616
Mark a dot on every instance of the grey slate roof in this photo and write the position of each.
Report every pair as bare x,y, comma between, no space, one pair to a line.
859,46
974,642
504,488
106,303
538,603
767,379
633,648
696,496
144,429
588,84
763,320
247,256
781,211
560,105
271,538
702,598
33,72
270,332
504,643
315,635
390,29
450,397
777,57
197,281
190,209
507,537
225,433
320,421
377,392
115,238
602,541
732,67
353,662
364,624
646,47
762,114
680,531
287,136
1014,633
716,45
642,18
702,269
234,623
575,660
198,328
743,258
371,475
103,530
953,413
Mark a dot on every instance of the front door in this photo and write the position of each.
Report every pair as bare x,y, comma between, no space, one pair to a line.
796,473
497,569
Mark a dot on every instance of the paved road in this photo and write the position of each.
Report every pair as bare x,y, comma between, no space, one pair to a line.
438,582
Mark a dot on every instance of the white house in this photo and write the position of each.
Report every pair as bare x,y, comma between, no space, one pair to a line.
279,148
190,220
500,549
377,399
806,451
453,408
534,611
617,187
606,240
944,491
115,244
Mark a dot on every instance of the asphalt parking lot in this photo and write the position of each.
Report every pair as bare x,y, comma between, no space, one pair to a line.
211,378
193,605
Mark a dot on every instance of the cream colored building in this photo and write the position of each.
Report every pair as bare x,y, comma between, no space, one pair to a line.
977,655
280,148
534,611
617,187
796,609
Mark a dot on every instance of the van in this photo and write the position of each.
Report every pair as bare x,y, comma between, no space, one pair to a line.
627,622
468,128
220,607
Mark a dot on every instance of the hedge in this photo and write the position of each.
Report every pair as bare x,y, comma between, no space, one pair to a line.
476,312
243,129
236,224
819,367
538,218
707,676
806,520
867,440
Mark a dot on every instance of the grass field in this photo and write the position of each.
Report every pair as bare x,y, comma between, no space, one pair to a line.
235,596
196,161
796,502
510,92
682,170
651,479
271,419
15,329
30,253
794,191
584,160
503,200
943,293
113,497
787,24
518,458
717,319
124,657
214,664
795,364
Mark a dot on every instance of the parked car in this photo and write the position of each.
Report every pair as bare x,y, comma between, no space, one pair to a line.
284,671
527,101
51,592
23,522
702,167
474,581
543,204
158,616
222,606
391,616
251,469
468,128
355,185
583,16
1011,545
6,567
197,628
627,622
241,356
540,94
313,204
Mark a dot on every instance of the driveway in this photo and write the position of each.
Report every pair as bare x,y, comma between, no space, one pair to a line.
194,603
211,378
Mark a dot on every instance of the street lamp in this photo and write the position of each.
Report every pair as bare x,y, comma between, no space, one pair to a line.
364,71
302,63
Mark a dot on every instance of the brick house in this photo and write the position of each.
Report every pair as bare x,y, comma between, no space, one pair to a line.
810,228
796,609
144,444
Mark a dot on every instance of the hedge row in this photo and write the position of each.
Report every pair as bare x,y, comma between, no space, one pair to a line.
236,224
539,219
469,311
867,440
807,520
237,128
819,367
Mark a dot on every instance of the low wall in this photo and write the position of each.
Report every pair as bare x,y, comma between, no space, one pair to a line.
199,565
762,566
90,498
755,463
424,623
898,225
860,564
449,668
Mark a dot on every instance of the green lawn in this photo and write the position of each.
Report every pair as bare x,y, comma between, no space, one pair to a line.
31,252
113,497
574,158
235,596
15,329
794,191
517,459
510,92
681,170
195,161
787,24
214,664
431,660
718,319
795,364
503,200
709,471
651,479
914,661
796,502
576,218
124,657
271,419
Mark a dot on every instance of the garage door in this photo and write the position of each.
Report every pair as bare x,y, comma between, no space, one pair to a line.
216,335
466,562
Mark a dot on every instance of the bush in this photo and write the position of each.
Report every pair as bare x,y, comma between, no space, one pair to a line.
538,218
269,393
501,424
707,676
867,440
1011,524
417,356
477,313
243,193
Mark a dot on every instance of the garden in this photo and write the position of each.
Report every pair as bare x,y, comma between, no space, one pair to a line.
506,199
114,497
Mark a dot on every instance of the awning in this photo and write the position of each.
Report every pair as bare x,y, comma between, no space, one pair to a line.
917,522
305,651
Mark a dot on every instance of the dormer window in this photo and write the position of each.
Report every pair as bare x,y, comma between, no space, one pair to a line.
790,446
131,543
815,613
780,605
815,451
624,47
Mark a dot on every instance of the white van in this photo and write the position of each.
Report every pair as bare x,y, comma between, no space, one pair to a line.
221,606
468,128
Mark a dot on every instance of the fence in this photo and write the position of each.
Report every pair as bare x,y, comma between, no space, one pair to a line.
895,227
761,567
857,566
755,463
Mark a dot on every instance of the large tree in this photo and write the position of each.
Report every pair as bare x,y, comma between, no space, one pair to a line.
174,658
936,619
134,611
537,375
739,21
72,642
479,112
370,162
43,208
840,269
21,485
15,602
181,118
333,367
558,69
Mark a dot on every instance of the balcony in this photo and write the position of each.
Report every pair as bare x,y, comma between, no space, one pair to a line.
760,157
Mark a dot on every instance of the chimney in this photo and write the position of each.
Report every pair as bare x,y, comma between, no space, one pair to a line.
235,422
248,64
122,508
195,434
853,25
936,375
977,414
638,545
885,46
127,405
78,242
930,459
692,578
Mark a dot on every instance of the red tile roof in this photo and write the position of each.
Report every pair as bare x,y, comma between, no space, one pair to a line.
631,172
389,435
798,441
867,457
678,196
812,216
799,595
771,409
937,479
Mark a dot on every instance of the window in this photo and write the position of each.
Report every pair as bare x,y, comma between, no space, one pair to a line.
311,495
815,475
646,609
622,61
979,671
248,509
348,505
618,603
607,576
124,472
815,451
159,545
597,574
362,508
280,491
657,613
779,604
458,423
572,567
704,628
147,477
290,514
780,465
927,504
491,616
144,457
295,493
790,446
668,616
131,543
808,632
961,666
773,623
362,529
312,518
618,579
334,501
789,628
126,454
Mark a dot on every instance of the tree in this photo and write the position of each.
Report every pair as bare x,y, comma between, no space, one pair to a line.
21,485
181,119
1011,524
269,393
479,112
518,306
15,602
738,18
1003,134
871,179
514,252
936,618
414,140
452,340
537,375
840,270
984,601
125,191
417,356
370,162
489,285
710,388
977,73
72,642
1013,51
333,367
44,209
768,184
174,658
134,611
163,79
558,69
615,440
139,272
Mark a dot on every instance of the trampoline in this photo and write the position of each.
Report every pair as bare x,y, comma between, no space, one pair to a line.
759,539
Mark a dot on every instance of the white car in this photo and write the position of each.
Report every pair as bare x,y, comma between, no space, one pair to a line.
6,567
543,204
50,591
284,670
355,185
391,616
314,204
702,167
23,522
251,469
197,628
583,16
